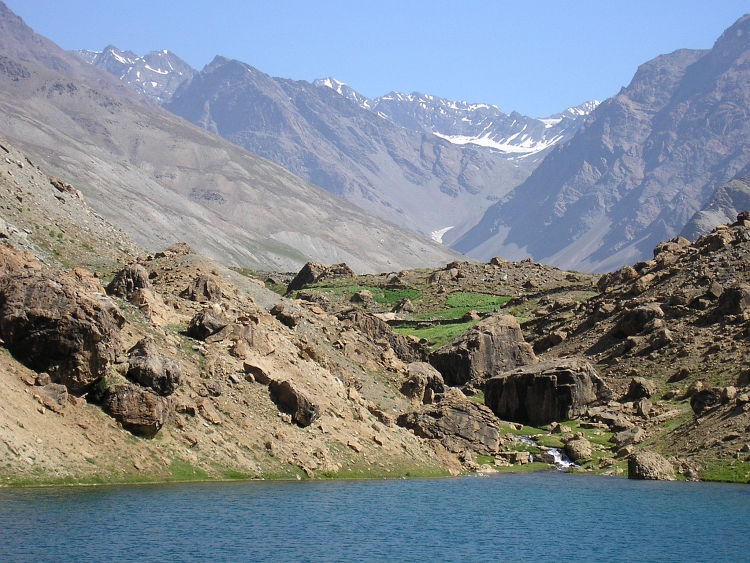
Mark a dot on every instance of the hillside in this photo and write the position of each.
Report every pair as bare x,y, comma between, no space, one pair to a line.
643,164
161,179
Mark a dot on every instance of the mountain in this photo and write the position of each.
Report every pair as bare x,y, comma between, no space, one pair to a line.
156,75
414,179
644,162
515,135
726,203
163,180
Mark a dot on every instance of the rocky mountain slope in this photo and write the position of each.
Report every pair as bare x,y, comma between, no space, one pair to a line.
182,369
645,161
161,179
411,178
156,75
179,352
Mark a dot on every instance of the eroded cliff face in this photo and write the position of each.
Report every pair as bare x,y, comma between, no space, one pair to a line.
645,161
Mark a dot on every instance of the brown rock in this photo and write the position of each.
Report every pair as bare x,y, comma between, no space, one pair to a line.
734,301
643,407
150,368
641,387
421,377
138,410
202,289
205,324
705,399
577,449
635,321
550,391
128,280
312,272
258,368
292,400
458,424
492,346
364,296
650,466
375,329
52,325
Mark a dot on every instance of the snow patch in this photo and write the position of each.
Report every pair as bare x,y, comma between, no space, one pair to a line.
437,236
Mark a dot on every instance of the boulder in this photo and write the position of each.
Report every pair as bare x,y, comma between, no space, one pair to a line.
128,280
629,437
421,378
364,296
203,289
150,368
650,466
404,306
705,399
286,315
292,400
177,249
138,410
578,448
53,396
52,325
458,424
550,391
204,324
492,346
635,321
312,272
640,388
735,300
376,329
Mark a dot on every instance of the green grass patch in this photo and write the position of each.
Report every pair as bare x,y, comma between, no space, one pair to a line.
181,470
477,397
459,303
727,472
383,296
526,468
436,336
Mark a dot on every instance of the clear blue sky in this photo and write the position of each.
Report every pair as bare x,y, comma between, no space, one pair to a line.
534,56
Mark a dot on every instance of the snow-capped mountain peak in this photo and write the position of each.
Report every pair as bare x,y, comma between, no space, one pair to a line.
156,75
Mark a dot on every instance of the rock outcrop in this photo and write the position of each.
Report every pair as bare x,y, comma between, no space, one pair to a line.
422,383
312,272
649,466
550,391
494,345
51,325
150,368
206,323
128,281
292,400
458,423
375,329
138,410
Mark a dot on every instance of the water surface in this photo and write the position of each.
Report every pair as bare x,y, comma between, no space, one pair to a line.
540,517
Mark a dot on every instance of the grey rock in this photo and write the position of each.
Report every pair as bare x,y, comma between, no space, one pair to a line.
52,325
492,346
293,401
549,391
129,280
138,410
150,368
204,324
650,466
458,424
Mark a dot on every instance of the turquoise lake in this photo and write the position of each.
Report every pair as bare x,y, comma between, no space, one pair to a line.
547,516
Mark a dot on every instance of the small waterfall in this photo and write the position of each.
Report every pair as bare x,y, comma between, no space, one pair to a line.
553,456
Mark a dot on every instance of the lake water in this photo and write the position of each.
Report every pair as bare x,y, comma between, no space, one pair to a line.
540,517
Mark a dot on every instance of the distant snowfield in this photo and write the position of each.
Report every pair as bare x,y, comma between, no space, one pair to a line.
437,236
